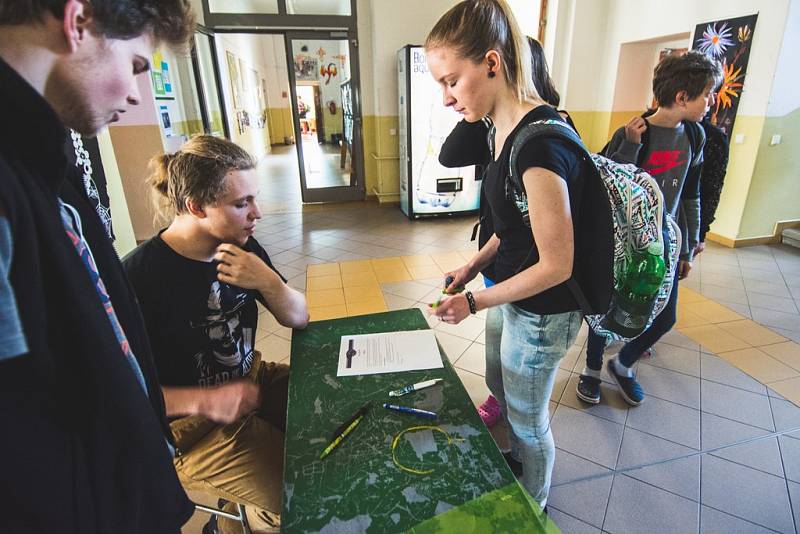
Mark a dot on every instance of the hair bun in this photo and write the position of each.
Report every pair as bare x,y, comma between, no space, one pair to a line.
158,168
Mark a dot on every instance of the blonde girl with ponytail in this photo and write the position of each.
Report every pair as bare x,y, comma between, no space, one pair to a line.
482,61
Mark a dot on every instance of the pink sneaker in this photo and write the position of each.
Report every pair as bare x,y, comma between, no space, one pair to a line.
490,412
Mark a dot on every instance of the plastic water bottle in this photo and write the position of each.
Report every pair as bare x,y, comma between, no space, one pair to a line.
635,296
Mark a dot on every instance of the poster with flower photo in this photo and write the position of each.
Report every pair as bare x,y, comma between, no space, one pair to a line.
728,41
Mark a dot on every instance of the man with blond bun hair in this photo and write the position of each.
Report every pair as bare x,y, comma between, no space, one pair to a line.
86,447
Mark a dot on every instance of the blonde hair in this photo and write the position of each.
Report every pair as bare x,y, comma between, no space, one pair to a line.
473,27
196,172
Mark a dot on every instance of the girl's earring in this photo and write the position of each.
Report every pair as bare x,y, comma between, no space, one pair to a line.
491,74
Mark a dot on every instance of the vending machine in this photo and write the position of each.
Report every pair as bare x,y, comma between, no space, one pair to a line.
426,187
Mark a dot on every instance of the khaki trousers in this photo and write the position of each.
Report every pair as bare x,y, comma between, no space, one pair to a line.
241,462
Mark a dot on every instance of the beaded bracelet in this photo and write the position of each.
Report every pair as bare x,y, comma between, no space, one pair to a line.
473,308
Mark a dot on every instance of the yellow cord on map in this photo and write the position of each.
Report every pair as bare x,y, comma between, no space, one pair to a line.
450,441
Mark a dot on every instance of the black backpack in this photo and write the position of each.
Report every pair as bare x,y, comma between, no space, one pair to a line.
620,210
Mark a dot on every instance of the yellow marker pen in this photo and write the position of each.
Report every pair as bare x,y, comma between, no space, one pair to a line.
345,430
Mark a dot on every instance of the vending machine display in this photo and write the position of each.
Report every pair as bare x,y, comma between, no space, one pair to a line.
426,187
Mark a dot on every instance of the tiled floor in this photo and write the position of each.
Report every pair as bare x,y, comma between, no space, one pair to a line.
712,449
281,166
323,164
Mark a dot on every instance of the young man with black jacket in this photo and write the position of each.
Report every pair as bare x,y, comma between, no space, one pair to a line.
86,448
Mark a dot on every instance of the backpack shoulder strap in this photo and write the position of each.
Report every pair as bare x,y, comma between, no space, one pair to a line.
558,130
490,139
550,128
696,137
645,144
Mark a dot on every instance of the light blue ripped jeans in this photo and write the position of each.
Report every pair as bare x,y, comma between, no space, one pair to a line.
523,350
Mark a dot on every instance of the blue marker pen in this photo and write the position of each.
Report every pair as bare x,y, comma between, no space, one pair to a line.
413,411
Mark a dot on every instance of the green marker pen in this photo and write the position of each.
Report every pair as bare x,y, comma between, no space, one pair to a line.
447,282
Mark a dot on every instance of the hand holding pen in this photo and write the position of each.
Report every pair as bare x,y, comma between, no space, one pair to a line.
451,287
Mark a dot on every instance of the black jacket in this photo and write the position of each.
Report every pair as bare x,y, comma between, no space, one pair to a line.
83,448
468,144
712,175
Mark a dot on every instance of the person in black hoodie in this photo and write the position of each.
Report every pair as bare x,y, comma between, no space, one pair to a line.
86,446
712,177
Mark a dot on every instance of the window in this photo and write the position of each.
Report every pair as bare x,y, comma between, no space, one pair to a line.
269,7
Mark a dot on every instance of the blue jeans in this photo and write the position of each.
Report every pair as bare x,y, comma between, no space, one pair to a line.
523,350
634,348
492,333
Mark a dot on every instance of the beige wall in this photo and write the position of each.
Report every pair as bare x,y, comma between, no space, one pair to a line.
384,28
774,193
248,49
602,26
135,139
633,86
133,147
593,33
120,216
585,39
197,6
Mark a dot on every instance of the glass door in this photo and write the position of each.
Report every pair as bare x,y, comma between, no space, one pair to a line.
323,78
207,82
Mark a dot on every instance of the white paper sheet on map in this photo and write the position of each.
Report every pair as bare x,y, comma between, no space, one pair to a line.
389,352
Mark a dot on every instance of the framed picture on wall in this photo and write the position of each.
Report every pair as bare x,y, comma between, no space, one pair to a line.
728,41
252,87
245,86
305,67
235,78
262,95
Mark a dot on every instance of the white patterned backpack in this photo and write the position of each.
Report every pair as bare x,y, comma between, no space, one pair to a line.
621,210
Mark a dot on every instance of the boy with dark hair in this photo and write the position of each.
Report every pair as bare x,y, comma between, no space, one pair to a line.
87,448
668,144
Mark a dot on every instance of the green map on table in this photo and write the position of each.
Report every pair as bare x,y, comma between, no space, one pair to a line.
358,487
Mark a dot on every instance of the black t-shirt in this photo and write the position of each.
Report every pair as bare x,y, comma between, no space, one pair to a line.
517,249
466,145
202,330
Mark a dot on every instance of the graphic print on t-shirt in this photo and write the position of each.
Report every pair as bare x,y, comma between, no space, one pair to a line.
668,168
664,160
229,351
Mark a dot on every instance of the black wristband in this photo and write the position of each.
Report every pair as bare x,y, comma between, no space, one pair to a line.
473,308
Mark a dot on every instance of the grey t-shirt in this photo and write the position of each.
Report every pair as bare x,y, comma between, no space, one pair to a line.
12,338
667,159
